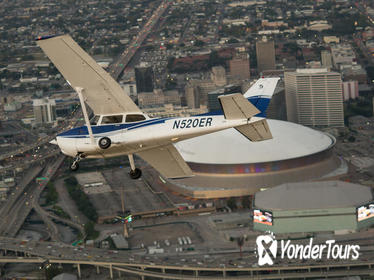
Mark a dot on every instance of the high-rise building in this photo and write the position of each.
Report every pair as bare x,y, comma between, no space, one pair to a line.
218,76
326,59
350,90
213,102
144,78
239,66
44,110
265,52
314,97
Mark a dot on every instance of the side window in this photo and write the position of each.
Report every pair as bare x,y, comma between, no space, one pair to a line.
134,118
94,120
112,119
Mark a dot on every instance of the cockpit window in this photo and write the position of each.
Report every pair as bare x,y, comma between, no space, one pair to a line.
94,120
134,118
112,119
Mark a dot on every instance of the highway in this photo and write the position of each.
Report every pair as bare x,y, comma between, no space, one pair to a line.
190,272
18,208
117,68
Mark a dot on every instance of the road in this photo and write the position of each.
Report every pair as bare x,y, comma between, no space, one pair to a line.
67,204
117,68
17,210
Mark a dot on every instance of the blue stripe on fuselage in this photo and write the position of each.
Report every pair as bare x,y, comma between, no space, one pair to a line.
83,131
260,102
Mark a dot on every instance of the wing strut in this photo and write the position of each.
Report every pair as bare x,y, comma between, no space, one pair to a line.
79,90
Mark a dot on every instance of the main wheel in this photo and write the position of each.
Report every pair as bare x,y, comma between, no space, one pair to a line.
104,143
74,166
135,174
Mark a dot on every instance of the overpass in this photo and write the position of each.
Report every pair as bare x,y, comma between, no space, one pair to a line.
210,273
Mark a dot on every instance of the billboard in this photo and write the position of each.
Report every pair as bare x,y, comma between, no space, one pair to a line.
263,217
365,212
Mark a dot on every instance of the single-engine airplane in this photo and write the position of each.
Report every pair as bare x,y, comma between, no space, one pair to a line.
118,127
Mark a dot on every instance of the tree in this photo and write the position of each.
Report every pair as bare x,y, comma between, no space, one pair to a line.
90,231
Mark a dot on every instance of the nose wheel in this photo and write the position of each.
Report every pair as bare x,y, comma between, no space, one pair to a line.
135,173
75,165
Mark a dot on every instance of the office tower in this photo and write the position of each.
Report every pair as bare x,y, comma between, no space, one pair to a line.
144,78
44,110
265,52
326,59
314,97
218,76
239,66
350,90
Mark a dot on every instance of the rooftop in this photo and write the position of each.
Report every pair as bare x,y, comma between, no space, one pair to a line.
289,141
313,195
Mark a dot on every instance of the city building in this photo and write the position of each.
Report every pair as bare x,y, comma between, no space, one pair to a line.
227,164
313,207
151,99
239,67
44,110
350,90
12,106
196,92
354,72
314,97
130,89
213,102
218,76
172,97
342,54
265,52
326,59
144,78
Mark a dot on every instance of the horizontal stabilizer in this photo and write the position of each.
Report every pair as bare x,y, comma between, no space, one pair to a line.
101,92
256,131
235,106
168,161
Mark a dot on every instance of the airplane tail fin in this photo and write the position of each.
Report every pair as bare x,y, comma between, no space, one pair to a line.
235,106
260,94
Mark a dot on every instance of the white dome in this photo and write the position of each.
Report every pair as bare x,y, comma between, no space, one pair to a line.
228,146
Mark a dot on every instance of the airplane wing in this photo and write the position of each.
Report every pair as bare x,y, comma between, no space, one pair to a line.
168,161
101,92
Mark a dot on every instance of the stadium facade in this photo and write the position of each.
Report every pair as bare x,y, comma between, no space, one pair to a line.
313,207
227,164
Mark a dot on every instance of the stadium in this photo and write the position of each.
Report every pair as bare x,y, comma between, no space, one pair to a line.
313,207
227,164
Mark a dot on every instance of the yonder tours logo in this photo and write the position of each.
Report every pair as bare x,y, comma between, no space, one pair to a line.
267,250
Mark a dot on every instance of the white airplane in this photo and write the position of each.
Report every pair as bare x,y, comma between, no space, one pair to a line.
120,128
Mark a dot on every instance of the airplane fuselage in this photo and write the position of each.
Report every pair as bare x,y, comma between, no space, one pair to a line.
129,138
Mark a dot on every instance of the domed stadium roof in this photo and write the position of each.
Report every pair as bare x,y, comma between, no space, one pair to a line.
228,146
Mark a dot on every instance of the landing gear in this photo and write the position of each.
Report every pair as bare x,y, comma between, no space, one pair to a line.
75,165
135,173
104,143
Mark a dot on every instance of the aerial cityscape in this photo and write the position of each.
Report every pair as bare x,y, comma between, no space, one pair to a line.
187,139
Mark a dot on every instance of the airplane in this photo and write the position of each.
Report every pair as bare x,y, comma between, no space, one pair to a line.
119,128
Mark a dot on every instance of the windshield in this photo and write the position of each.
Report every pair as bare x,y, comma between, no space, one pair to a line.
94,120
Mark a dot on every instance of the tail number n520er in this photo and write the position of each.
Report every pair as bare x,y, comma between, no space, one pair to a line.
195,122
